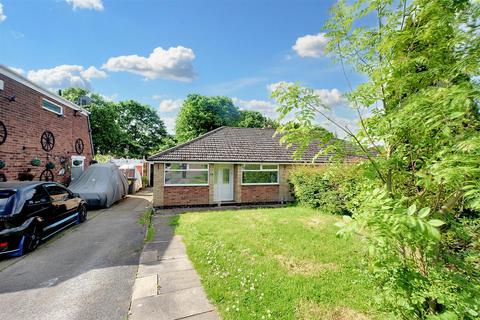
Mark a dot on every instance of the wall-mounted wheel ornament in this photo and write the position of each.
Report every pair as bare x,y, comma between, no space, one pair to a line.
46,175
3,132
47,140
79,146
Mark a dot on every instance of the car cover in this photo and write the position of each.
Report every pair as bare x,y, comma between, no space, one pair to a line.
101,185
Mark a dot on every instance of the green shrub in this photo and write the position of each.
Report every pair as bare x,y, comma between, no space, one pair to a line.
144,181
330,189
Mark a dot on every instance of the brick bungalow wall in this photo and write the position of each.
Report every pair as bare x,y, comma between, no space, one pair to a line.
26,120
202,195
185,196
260,193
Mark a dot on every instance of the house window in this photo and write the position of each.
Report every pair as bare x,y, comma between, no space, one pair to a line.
192,174
50,106
260,174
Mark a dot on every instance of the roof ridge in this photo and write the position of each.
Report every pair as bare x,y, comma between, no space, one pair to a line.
187,143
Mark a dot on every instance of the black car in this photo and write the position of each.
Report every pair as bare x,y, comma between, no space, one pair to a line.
33,211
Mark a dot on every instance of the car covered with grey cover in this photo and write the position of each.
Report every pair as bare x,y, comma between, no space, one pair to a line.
101,185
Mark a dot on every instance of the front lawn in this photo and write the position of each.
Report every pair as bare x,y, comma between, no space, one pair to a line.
281,263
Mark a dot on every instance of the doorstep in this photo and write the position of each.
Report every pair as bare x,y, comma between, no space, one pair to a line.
167,286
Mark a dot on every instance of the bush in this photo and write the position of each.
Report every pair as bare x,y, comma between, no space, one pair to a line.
331,188
144,181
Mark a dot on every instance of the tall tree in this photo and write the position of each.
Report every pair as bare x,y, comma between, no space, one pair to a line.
254,119
107,135
419,210
145,130
200,114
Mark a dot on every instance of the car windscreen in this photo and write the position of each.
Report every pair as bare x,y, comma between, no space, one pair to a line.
6,201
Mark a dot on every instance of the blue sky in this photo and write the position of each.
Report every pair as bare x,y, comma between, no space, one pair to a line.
157,52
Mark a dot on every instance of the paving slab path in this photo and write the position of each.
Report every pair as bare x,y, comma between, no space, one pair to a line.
167,286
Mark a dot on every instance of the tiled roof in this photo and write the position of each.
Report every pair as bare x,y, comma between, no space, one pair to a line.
227,144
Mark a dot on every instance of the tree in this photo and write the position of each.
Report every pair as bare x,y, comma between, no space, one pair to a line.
145,130
254,119
201,114
123,129
419,209
107,135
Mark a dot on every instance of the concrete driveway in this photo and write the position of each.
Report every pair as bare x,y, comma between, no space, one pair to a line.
86,272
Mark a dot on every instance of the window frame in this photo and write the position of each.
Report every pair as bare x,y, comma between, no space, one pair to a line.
55,104
165,170
277,170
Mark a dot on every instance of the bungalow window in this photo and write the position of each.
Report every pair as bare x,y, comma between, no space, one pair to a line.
195,174
260,174
50,106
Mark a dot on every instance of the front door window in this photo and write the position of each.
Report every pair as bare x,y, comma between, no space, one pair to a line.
224,183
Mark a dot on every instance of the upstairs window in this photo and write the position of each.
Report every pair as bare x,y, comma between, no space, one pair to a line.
50,106
260,174
192,174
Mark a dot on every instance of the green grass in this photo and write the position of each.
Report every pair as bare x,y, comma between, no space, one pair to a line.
146,220
282,263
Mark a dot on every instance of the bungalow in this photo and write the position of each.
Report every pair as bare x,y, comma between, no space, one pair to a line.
226,165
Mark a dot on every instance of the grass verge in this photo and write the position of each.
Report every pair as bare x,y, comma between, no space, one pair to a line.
281,263
146,220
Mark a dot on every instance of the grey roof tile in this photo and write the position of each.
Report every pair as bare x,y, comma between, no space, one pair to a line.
228,144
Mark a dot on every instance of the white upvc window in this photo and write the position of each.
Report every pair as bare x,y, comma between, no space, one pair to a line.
53,107
253,174
186,174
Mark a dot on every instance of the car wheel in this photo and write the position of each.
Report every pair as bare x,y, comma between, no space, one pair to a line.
32,239
82,214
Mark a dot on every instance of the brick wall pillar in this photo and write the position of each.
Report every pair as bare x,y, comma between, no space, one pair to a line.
158,185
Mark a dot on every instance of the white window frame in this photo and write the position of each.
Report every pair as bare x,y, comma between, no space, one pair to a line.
261,170
49,101
165,170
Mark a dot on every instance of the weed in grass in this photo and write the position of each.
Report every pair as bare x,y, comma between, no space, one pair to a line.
146,220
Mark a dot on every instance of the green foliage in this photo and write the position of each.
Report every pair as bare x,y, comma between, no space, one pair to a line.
331,189
144,181
278,263
201,114
421,59
254,119
124,129
143,127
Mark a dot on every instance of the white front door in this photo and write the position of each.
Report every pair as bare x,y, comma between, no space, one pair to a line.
223,183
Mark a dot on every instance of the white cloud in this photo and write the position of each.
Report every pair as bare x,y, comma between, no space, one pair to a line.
312,46
93,72
86,4
169,124
2,15
331,97
174,63
266,107
277,85
170,105
64,76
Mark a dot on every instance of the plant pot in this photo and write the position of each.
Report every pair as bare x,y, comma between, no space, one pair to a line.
36,162
50,166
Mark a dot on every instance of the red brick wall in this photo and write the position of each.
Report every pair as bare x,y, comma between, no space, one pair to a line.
26,120
185,196
260,193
